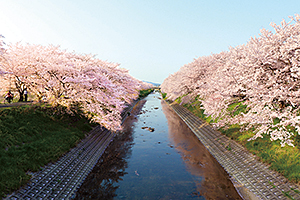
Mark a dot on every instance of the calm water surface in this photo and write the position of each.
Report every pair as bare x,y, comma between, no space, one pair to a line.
168,163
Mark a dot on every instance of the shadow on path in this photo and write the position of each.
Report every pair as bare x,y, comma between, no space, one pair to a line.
15,104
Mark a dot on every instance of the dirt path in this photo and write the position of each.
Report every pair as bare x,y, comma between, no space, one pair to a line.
15,104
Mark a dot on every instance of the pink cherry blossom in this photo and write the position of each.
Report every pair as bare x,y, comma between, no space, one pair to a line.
101,88
264,74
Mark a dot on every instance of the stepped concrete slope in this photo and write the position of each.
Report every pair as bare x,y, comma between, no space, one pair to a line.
253,179
61,179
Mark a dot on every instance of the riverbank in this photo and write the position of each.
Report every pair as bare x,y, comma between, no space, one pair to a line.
34,135
31,137
247,170
284,160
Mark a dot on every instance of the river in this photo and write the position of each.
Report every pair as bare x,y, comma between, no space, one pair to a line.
156,157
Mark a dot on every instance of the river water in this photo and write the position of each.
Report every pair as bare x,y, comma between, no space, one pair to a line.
156,157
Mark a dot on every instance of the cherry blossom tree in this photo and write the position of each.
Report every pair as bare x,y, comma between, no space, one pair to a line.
2,51
100,88
4,76
263,74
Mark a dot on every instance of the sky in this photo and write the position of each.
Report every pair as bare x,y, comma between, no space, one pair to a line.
150,38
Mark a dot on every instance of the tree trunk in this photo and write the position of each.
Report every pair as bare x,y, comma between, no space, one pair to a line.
21,93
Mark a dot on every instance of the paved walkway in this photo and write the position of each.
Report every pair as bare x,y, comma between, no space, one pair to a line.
253,179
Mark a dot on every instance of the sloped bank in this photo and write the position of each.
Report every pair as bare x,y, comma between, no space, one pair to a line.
252,178
61,179
31,137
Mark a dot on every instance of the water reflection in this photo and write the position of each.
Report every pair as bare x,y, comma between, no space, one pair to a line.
155,169
168,163
100,183
215,183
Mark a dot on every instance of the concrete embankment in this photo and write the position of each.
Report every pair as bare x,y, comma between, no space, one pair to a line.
61,179
252,179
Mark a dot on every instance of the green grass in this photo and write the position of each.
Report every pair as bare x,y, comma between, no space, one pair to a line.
178,100
295,190
31,137
196,108
236,108
144,93
285,160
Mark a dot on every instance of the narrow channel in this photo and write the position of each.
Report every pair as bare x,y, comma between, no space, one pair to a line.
156,157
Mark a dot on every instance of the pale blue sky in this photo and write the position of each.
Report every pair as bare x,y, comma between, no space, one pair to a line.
152,38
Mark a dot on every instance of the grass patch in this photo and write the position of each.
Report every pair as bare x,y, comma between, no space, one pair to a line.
285,160
144,93
236,108
228,147
287,194
196,108
178,100
31,137
295,190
